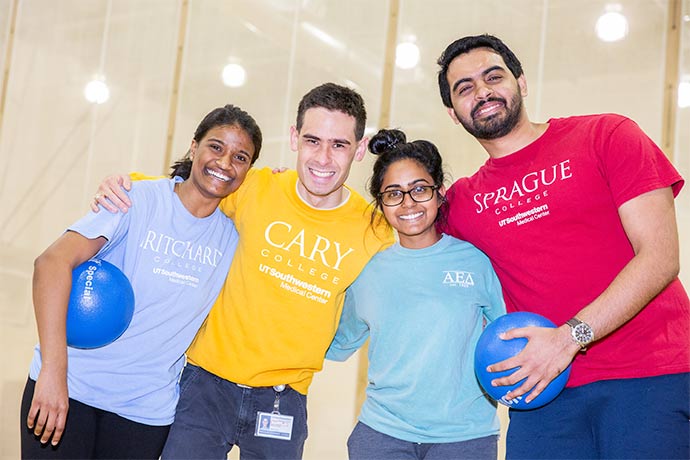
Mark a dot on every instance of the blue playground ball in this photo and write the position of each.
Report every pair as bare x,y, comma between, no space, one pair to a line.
101,304
491,349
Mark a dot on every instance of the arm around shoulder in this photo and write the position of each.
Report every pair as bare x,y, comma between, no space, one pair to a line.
112,191
351,334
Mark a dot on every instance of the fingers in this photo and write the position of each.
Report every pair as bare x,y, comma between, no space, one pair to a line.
111,194
50,429
516,332
527,385
125,181
535,382
60,420
101,199
47,430
506,364
536,391
39,427
113,200
33,412
47,424
510,379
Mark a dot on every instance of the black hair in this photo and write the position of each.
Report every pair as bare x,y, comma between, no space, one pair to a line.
465,45
335,97
228,115
390,145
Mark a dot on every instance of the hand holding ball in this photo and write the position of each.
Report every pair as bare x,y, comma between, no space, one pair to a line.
491,349
101,304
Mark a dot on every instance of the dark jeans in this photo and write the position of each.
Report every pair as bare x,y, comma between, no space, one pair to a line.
214,414
92,433
366,443
626,419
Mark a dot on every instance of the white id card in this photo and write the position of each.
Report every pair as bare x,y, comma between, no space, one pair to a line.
276,426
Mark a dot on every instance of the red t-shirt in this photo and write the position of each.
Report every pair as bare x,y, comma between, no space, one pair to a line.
547,217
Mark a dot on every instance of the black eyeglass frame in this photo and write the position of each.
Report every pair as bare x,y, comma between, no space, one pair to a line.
409,192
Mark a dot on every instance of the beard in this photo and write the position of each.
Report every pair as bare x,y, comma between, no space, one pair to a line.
496,125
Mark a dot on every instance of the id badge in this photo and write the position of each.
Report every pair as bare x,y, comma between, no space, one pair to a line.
272,425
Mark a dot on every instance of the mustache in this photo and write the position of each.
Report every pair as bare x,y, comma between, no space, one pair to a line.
481,104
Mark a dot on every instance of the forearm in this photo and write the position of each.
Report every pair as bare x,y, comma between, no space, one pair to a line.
634,287
51,289
650,224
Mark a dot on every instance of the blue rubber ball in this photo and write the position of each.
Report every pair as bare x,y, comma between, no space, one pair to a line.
491,349
101,304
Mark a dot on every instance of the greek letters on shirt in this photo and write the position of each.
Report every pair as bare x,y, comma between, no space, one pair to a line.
458,278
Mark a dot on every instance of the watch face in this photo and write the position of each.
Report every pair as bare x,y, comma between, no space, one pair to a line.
582,333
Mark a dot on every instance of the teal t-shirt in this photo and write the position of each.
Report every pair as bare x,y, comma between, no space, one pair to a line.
423,310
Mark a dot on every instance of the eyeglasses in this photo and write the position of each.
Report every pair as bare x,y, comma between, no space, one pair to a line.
419,194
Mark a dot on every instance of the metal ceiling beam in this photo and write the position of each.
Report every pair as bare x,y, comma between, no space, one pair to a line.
175,92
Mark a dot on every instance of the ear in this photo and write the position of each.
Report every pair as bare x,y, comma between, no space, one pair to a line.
453,116
522,84
192,149
361,148
442,194
294,138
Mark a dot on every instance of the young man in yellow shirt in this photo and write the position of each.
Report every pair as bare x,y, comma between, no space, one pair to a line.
304,237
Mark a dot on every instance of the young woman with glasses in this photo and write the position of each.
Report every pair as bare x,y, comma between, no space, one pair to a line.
422,303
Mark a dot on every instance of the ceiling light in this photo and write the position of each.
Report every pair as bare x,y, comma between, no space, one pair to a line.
96,91
406,55
612,25
234,75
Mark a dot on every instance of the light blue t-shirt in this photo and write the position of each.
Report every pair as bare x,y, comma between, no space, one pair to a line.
423,310
177,264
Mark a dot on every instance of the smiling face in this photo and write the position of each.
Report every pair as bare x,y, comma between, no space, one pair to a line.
326,147
486,97
220,161
413,221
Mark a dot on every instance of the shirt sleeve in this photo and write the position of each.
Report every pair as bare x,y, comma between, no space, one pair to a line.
496,306
351,334
112,227
633,164
97,224
231,205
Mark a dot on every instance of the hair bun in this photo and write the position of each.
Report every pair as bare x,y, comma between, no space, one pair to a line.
385,140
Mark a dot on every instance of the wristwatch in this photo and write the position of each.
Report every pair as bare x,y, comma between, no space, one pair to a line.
581,332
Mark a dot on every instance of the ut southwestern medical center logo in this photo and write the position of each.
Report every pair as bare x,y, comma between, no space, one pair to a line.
458,278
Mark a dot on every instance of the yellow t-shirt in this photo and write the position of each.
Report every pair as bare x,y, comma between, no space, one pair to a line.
279,308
